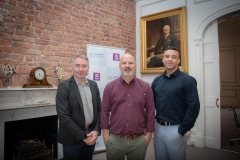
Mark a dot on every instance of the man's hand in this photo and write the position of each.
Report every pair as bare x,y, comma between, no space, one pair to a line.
105,139
91,138
148,137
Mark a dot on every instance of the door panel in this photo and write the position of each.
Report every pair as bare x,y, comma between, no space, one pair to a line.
230,77
212,86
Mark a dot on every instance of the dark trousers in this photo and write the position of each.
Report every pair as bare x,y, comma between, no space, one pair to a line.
81,151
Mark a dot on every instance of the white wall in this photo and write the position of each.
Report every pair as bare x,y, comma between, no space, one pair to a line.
200,13
197,13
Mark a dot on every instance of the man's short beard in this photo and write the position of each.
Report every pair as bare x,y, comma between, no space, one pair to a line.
130,74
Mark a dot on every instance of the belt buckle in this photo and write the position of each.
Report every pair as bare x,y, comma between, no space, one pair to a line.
130,136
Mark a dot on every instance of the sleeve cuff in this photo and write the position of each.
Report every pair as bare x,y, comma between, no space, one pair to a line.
181,130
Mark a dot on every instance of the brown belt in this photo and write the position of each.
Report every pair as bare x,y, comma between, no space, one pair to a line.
133,136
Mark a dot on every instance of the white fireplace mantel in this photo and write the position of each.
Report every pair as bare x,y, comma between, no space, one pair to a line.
15,98
25,103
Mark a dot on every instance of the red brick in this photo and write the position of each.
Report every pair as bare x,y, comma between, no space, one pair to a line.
39,30
4,42
34,52
29,6
19,32
45,31
49,1
61,54
30,17
3,55
5,49
39,25
54,43
29,58
22,51
21,15
38,19
22,44
41,41
49,53
13,2
17,56
38,8
72,24
39,47
58,39
54,58
62,29
29,39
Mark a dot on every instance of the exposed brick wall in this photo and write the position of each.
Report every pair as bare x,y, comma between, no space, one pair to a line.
49,33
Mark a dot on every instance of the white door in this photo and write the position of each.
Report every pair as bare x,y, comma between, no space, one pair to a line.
212,86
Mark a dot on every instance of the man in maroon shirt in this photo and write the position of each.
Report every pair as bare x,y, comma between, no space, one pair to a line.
127,114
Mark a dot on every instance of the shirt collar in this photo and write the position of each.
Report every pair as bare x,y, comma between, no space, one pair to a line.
86,82
123,81
174,74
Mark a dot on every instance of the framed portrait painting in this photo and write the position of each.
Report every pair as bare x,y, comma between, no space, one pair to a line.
160,31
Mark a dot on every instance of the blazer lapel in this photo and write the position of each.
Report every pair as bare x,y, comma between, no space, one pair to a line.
74,86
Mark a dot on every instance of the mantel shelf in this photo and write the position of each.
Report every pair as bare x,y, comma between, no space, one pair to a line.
16,98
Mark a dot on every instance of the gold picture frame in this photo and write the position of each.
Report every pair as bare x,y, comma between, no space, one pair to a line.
152,31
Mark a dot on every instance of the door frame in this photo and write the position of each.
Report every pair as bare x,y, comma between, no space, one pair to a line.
200,136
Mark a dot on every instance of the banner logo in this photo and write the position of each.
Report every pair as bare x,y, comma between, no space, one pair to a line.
96,76
116,56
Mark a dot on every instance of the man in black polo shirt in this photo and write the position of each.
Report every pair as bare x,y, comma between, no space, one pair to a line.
177,107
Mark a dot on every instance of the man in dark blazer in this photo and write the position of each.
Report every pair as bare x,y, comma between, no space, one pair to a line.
78,105
155,59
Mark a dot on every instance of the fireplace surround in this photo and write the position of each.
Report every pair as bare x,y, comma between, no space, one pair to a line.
25,103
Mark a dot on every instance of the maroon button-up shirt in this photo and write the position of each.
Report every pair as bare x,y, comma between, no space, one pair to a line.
128,108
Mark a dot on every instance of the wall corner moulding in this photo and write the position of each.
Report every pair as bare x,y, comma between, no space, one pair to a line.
197,41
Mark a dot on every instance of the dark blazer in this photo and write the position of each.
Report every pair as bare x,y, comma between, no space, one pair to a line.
70,111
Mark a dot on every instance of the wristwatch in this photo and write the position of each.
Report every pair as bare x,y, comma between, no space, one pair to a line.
84,136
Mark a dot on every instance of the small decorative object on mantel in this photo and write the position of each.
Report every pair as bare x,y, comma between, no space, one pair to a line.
60,73
8,71
37,79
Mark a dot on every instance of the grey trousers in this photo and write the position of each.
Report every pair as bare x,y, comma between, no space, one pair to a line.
168,144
